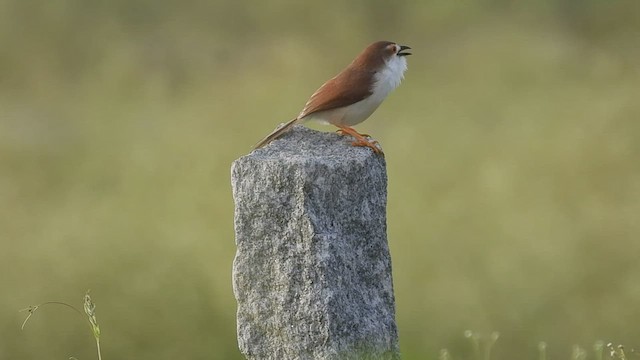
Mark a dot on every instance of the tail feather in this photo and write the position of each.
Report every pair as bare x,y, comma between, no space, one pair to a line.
276,133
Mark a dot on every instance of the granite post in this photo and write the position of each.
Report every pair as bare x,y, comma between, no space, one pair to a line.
312,272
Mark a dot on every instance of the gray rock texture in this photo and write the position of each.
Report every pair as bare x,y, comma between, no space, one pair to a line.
312,272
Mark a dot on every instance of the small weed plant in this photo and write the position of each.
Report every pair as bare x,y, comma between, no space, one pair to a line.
481,349
89,312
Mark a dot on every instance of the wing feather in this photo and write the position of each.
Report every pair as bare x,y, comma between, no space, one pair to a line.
337,92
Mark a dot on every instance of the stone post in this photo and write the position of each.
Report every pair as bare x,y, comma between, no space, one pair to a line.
312,272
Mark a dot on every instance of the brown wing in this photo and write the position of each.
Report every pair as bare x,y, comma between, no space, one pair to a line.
336,92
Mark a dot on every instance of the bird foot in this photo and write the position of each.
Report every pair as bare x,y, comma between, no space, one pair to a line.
363,140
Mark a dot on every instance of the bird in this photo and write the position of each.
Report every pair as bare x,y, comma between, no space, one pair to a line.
351,96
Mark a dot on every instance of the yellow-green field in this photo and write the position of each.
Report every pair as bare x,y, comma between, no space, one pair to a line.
513,151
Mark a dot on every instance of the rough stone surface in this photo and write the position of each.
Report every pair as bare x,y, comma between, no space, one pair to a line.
312,272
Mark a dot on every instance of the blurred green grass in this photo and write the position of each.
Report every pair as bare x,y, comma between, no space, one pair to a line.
512,149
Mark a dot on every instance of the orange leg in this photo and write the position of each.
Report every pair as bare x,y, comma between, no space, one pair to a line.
361,140
342,132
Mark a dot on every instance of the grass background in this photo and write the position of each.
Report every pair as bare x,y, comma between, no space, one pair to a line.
513,151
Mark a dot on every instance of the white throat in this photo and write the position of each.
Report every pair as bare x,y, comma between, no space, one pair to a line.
389,77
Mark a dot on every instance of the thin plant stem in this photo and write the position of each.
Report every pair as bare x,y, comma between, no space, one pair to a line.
32,309
98,347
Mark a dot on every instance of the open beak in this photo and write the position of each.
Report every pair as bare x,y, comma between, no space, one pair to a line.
403,48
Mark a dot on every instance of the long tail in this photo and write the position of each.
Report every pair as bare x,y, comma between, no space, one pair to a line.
276,133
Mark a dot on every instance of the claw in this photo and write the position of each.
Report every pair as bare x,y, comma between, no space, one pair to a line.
361,139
